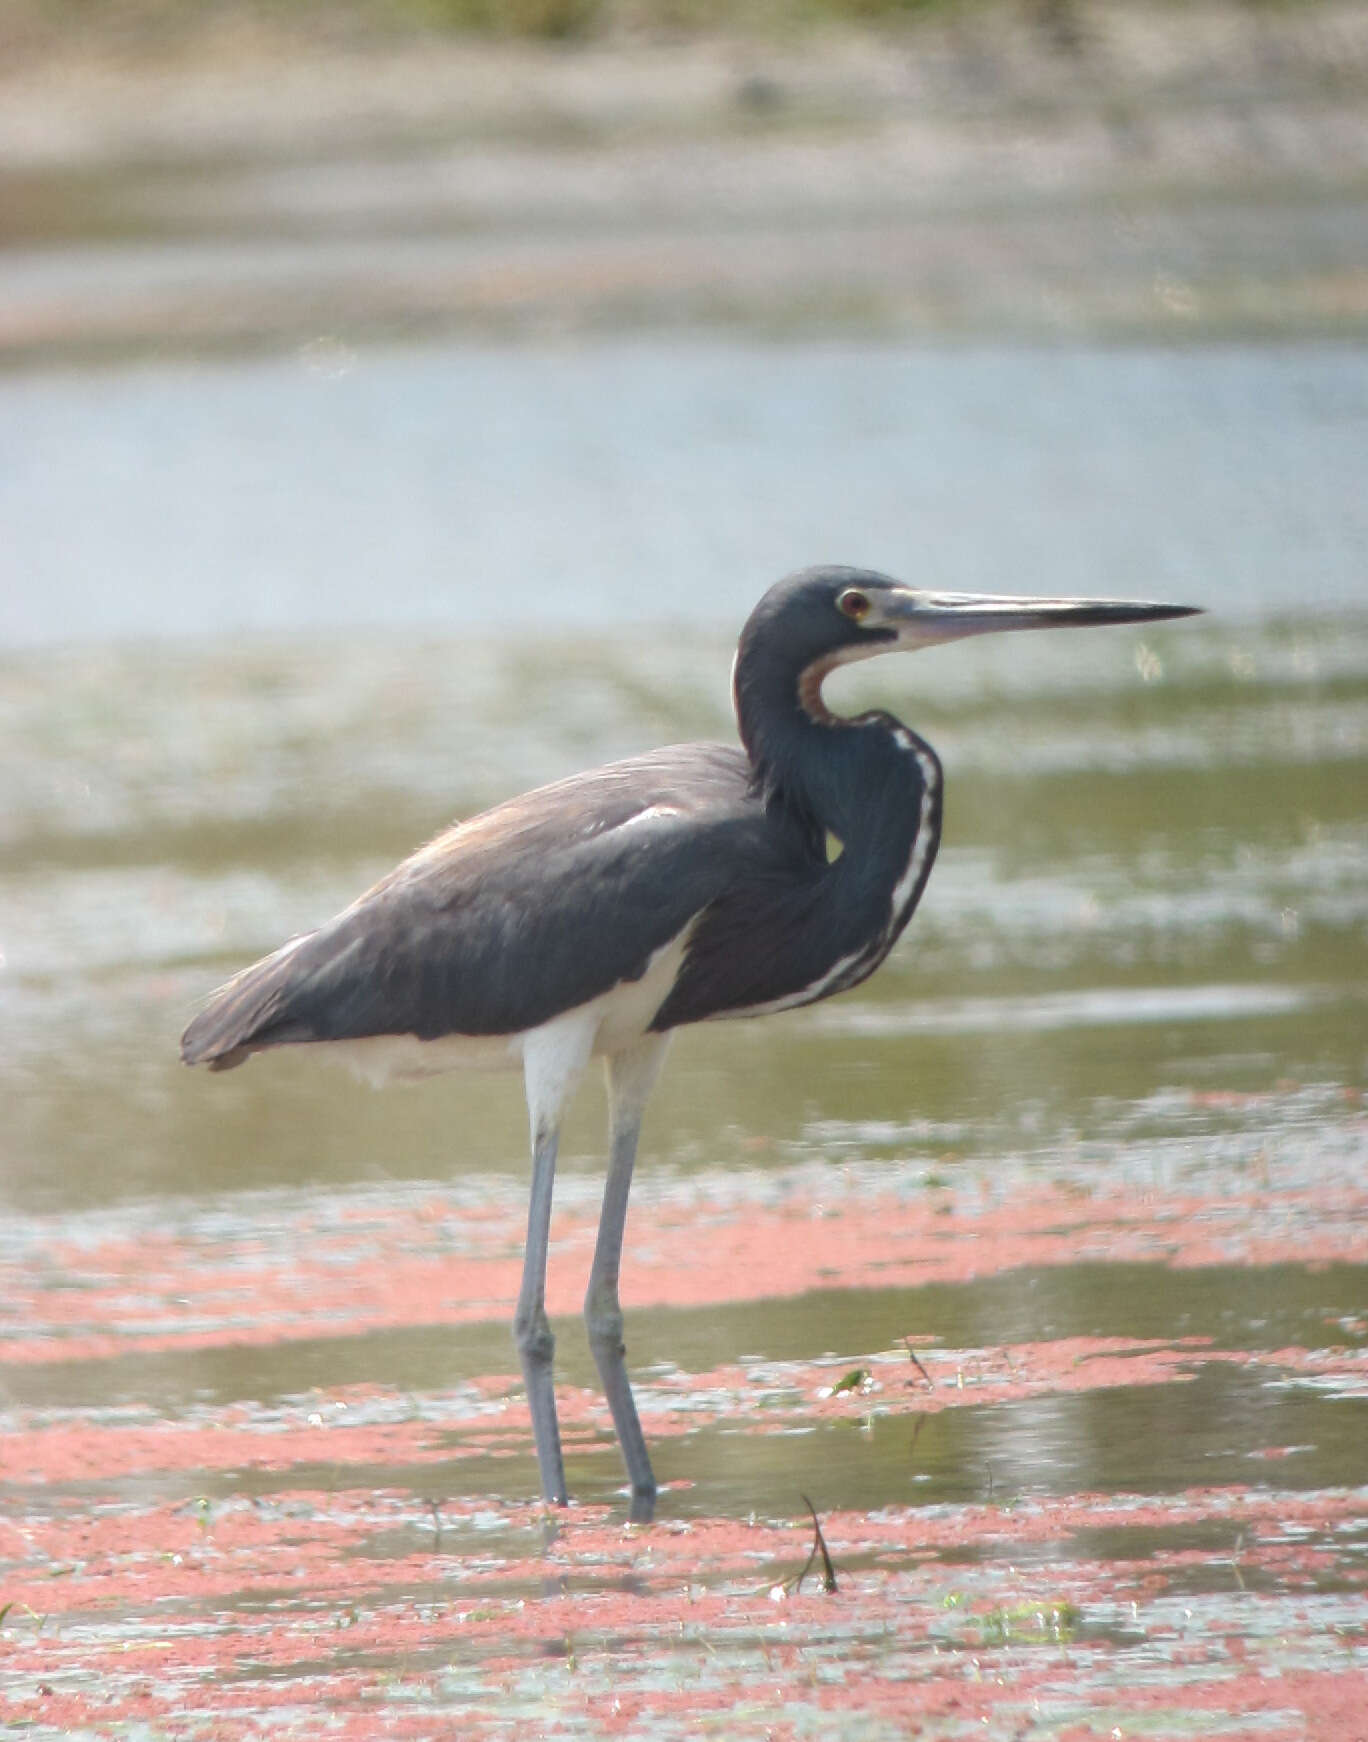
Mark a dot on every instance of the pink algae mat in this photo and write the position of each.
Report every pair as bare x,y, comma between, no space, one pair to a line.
355,1613
244,1569
315,1266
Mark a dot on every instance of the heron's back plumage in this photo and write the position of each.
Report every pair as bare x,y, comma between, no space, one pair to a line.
520,913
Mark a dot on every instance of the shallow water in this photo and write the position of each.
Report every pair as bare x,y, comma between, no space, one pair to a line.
587,485
1093,1139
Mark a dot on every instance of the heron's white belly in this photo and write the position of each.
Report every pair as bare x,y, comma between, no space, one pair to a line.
403,1058
616,1020
627,1010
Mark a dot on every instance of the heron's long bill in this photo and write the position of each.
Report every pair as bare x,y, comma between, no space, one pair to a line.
923,619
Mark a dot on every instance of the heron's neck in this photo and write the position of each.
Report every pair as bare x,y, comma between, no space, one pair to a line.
839,775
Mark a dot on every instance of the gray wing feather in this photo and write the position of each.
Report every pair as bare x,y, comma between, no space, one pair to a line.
504,921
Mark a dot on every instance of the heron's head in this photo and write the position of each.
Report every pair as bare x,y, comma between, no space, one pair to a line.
824,617
807,625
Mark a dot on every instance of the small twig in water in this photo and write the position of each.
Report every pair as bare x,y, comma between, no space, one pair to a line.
912,1356
818,1547
435,1508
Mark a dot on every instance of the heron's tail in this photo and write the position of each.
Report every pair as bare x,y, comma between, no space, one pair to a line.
244,1014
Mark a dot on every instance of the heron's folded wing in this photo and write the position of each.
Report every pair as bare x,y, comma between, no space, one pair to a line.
505,921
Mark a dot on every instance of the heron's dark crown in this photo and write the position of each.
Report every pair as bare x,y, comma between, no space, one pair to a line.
799,620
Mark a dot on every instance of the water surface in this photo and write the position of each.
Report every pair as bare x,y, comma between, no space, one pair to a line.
585,486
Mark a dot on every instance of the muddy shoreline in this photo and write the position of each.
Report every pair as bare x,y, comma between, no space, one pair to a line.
1183,174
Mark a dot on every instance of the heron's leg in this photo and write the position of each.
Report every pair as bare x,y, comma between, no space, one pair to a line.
554,1056
631,1076
532,1329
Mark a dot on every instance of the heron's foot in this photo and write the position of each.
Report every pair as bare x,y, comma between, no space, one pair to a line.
536,1352
642,1509
546,1435
610,1356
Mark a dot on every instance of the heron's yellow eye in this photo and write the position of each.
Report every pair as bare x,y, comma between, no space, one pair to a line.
854,604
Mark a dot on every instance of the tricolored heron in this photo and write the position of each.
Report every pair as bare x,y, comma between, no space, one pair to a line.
594,916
